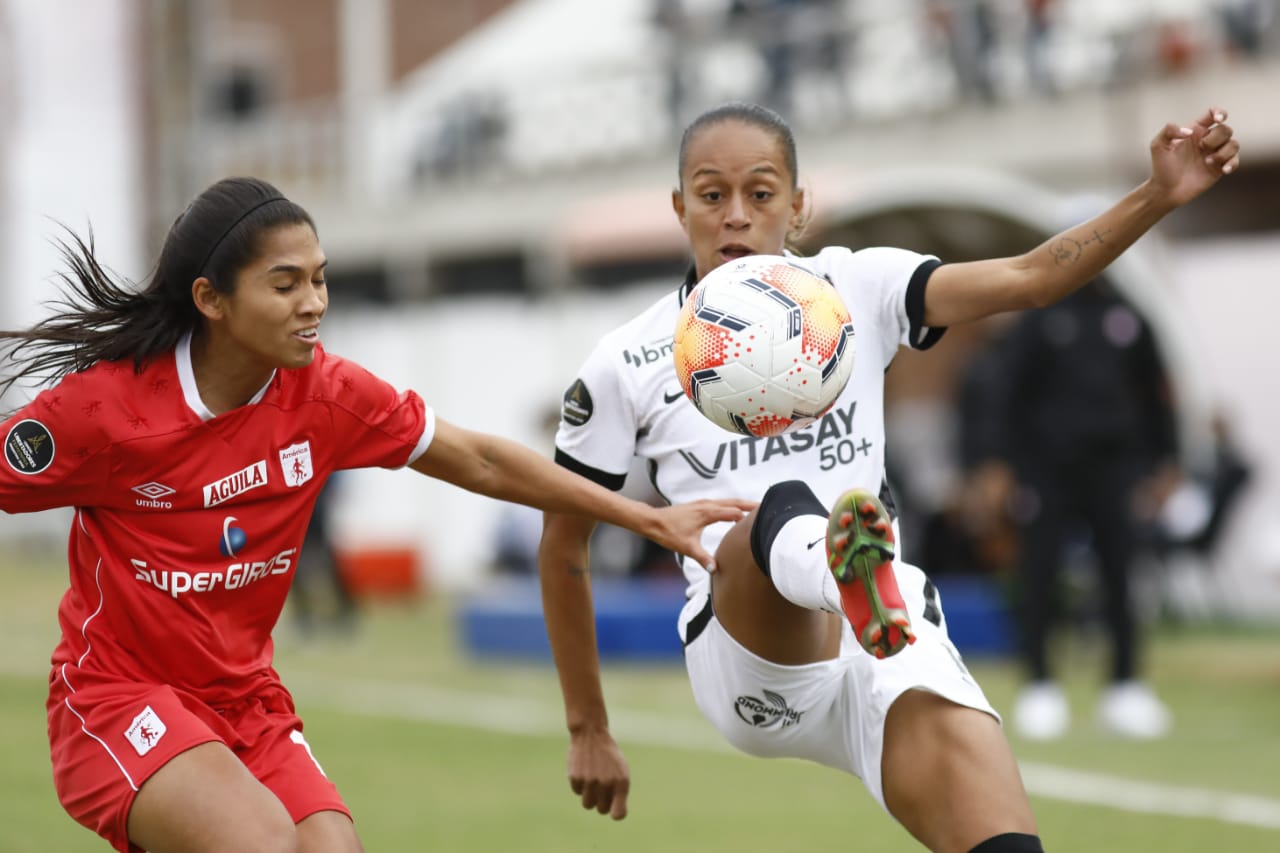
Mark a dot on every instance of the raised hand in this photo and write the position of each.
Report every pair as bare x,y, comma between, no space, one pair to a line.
1187,160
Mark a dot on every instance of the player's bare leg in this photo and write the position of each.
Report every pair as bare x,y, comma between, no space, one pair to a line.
755,614
185,804
328,832
949,775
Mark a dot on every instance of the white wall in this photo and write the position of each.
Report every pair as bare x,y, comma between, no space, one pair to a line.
72,155
74,142
1228,287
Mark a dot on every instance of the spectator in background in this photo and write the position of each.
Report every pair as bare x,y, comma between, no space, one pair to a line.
969,31
672,21
793,37
1244,23
1039,22
1070,422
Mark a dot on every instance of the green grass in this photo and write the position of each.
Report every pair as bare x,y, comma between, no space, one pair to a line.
391,713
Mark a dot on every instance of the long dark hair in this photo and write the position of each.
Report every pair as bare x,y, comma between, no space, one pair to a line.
99,318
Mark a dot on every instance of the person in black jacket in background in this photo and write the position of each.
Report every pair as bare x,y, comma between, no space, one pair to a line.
1069,426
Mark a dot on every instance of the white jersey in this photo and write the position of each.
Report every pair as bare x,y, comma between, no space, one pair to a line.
627,401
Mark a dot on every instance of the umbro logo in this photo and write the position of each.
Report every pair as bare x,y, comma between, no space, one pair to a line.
154,490
671,398
153,495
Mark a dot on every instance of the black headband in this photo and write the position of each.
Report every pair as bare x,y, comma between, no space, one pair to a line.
237,221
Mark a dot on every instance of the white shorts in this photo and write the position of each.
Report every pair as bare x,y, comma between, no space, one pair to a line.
831,712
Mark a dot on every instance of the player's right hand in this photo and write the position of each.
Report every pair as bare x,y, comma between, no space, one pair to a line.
598,773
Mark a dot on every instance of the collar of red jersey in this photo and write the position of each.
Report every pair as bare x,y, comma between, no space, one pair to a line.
187,378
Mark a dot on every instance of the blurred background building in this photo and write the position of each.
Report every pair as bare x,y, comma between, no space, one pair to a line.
491,183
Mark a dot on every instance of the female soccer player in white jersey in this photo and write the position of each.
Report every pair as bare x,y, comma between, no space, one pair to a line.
192,427
770,664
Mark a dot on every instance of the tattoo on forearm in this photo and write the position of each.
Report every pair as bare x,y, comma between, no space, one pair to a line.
576,571
1068,249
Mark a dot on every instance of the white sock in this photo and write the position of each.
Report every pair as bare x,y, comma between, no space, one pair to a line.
799,571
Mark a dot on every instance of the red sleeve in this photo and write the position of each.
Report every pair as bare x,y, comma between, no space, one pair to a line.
54,454
377,425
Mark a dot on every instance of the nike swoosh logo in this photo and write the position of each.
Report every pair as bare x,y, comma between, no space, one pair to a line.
813,543
671,398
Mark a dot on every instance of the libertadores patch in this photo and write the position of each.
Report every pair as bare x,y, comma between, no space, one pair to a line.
28,448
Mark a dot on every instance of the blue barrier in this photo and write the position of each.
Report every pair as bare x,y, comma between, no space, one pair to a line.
636,619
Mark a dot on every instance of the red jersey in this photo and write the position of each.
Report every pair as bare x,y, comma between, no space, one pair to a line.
187,525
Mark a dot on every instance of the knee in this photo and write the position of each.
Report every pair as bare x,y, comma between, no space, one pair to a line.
937,752
781,503
923,728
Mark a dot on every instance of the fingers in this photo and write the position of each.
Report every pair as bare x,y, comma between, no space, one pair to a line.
731,512
1226,157
1172,133
703,557
727,509
605,798
1212,116
619,808
1220,148
1216,137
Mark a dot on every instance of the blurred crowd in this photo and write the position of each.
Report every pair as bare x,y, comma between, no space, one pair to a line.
993,49
825,62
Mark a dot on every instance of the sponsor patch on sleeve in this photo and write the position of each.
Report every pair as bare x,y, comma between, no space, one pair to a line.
28,448
577,407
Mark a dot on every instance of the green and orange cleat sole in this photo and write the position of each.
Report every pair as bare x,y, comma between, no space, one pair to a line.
860,549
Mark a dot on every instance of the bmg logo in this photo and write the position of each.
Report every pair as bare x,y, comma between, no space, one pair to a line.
650,354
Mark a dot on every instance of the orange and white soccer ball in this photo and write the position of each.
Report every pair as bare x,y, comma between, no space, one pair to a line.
763,346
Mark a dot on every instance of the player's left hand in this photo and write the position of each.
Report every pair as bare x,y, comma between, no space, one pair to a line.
598,773
680,526
1187,160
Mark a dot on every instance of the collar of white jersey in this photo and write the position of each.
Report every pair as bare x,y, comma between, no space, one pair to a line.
691,277
187,378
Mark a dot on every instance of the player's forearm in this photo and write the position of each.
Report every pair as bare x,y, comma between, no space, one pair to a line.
1076,256
523,476
963,292
563,557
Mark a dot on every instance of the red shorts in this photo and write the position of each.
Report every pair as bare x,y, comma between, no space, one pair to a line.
109,736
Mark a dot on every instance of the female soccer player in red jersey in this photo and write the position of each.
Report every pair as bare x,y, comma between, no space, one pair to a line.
192,426
772,663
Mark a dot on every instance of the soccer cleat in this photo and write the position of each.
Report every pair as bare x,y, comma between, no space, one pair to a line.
860,548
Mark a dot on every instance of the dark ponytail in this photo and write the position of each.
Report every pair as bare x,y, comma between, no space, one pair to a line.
100,319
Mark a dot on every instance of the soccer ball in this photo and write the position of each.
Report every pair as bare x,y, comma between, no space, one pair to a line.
763,346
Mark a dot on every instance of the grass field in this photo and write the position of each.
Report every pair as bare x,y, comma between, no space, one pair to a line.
435,752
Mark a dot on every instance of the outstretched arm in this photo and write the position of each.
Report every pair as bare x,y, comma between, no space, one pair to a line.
598,772
506,470
1185,161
